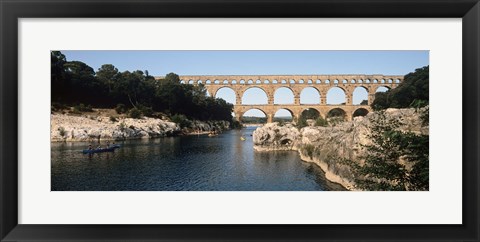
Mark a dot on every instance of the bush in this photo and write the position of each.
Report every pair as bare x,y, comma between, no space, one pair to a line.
235,125
121,108
113,119
321,122
308,150
302,122
62,131
181,120
135,113
146,111
82,108
58,106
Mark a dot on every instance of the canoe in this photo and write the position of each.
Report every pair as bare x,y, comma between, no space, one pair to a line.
109,149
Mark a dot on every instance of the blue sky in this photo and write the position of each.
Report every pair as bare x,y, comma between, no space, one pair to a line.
159,63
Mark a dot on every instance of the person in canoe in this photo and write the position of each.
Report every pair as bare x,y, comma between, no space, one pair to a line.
90,147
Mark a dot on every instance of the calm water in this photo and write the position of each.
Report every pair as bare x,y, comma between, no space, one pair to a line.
194,163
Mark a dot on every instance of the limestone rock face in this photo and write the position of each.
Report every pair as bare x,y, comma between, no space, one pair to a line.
84,128
344,140
276,137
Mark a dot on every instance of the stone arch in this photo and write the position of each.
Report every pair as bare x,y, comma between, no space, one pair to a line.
301,81
360,81
182,82
360,96
320,81
310,113
279,115
334,96
344,81
225,81
310,95
335,81
200,82
382,89
250,81
234,82
375,81
242,81
327,81
382,81
397,80
255,96
353,81
284,82
390,81
191,82
274,81
216,82
227,94
266,82
337,113
208,82
310,81
258,82
292,81
367,81
255,115
359,112
284,94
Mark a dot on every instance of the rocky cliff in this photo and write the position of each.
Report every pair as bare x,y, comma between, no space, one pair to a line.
90,128
344,140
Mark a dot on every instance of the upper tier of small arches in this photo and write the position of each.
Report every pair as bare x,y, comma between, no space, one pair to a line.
328,80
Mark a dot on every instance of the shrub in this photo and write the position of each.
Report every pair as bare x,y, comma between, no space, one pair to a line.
82,108
62,131
135,113
121,108
181,120
321,122
302,122
308,150
113,119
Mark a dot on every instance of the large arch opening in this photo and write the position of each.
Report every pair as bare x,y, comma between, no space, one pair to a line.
310,113
360,112
283,95
254,95
227,94
336,96
254,116
360,96
283,115
309,95
382,89
336,115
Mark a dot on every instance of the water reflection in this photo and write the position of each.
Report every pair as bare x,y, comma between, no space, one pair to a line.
193,163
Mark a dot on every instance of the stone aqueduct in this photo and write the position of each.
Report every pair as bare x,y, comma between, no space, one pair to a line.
296,83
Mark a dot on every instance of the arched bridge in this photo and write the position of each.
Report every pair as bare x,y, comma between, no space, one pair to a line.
296,83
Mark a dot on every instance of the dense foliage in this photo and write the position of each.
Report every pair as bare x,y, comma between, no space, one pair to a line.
413,91
395,161
135,93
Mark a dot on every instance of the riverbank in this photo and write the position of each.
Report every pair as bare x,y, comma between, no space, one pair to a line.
325,146
94,127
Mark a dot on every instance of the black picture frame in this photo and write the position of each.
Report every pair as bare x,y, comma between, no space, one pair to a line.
12,10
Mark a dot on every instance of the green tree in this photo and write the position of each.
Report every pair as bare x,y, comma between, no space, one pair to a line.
383,168
413,89
107,74
57,70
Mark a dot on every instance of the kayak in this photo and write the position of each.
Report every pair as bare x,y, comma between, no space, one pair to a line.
242,139
100,150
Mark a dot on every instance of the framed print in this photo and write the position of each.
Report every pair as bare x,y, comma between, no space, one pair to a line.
228,120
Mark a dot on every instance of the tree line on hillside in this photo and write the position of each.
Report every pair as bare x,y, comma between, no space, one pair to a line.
412,92
75,83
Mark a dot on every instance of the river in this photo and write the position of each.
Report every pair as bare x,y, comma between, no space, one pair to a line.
185,163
